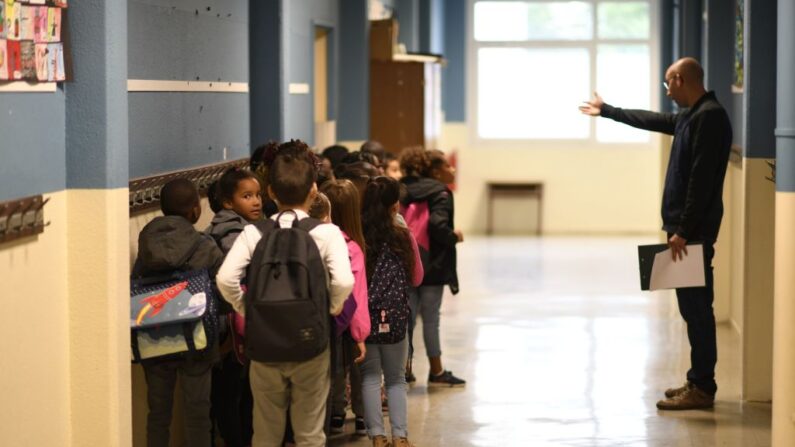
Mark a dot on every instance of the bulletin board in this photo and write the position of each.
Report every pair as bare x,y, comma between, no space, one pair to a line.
31,45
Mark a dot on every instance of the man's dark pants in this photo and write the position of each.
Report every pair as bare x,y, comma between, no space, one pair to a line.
695,305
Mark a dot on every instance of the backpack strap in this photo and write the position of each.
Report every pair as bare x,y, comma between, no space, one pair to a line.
265,227
187,332
308,224
135,350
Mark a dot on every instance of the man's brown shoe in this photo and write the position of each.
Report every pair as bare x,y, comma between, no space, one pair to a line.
401,442
673,392
381,441
690,399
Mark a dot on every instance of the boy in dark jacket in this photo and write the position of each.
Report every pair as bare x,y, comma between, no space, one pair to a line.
427,175
168,244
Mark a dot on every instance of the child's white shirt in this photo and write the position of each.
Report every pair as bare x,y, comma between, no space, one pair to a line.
330,243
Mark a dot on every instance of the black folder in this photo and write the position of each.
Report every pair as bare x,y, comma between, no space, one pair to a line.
646,261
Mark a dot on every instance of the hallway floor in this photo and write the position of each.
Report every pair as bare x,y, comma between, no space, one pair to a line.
560,348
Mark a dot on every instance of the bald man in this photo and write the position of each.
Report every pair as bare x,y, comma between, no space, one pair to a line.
692,208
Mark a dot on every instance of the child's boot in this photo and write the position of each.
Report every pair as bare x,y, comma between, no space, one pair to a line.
401,442
381,441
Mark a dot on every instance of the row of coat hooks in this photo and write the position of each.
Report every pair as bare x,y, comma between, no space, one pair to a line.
145,191
21,218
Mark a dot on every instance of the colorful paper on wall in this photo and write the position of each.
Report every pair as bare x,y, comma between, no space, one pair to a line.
56,68
26,15
42,62
14,60
30,40
40,17
12,21
27,51
3,60
2,19
54,24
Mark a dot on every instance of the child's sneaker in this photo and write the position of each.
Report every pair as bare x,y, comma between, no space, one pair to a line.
361,429
337,424
446,378
381,441
401,442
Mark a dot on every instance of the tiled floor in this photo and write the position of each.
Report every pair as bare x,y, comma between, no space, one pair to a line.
560,348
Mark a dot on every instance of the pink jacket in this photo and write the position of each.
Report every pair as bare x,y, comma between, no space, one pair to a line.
360,323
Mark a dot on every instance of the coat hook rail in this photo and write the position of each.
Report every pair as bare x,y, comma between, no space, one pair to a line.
20,218
145,191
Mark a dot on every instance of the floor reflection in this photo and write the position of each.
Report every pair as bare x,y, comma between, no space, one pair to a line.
560,348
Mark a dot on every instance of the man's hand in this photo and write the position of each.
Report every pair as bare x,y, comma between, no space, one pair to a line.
593,107
459,235
678,246
362,352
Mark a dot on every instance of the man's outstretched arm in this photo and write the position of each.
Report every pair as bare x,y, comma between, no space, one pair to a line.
641,119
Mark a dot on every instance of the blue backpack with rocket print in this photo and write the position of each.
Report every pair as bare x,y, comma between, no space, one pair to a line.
172,315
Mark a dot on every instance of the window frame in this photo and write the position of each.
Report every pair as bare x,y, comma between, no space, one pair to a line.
472,51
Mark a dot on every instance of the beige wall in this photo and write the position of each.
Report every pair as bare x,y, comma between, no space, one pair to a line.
587,189
64,331
747,245
34,335
784,373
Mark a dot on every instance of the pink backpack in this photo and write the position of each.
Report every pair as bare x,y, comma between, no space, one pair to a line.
417,216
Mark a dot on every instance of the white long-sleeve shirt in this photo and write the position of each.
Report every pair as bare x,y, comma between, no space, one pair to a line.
333,250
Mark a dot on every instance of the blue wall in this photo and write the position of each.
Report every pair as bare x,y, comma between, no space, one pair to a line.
353,119
454,87
298,33
408,14
431,28
187,40
266,72
33,146
759,110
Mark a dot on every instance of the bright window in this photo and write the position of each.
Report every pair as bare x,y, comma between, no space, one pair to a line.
537,60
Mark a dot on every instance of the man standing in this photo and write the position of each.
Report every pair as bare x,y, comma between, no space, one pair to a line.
692,208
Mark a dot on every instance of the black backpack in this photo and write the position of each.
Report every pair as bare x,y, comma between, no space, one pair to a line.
287,307
388,299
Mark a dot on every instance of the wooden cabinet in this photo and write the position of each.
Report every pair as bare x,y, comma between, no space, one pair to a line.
405,102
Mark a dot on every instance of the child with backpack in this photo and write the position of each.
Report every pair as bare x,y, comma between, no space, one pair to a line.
429,209
166,245
393,265
298,273
235,199
352,327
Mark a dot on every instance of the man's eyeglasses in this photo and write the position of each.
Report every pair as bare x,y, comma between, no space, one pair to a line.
667,83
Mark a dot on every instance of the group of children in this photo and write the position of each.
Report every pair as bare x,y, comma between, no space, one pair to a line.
381,228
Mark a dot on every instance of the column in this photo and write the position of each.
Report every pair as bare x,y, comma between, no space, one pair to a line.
98,225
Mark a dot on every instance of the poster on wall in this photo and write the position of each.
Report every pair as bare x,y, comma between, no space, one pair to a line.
31,48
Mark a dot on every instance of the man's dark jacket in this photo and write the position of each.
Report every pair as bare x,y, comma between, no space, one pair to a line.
692,205
440,262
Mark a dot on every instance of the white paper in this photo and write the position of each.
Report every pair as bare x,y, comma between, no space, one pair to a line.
686,272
